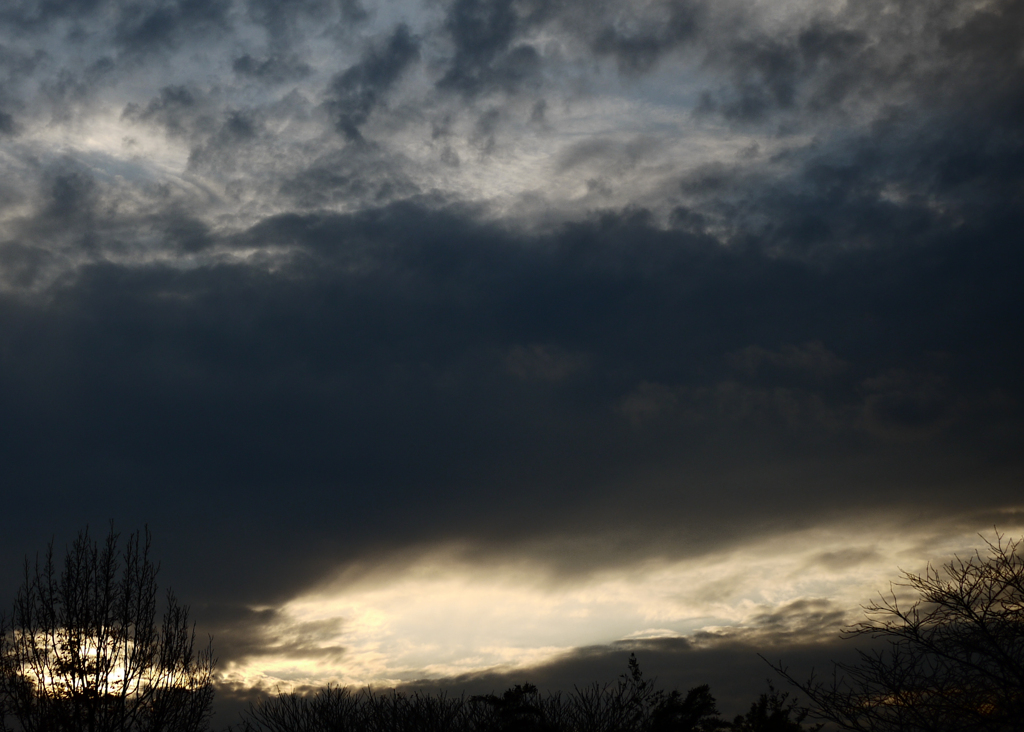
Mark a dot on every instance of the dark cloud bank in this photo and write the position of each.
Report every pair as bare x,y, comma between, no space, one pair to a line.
836,330
408,363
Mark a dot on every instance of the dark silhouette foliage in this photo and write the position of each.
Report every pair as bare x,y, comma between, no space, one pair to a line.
633,704
696,711
953,659
82,649
774,712
519,709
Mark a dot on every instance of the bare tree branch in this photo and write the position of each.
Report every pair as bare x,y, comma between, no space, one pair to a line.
954,660
81,650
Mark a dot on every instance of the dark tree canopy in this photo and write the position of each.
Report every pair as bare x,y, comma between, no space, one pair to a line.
774,712
82,648
952,660
633,704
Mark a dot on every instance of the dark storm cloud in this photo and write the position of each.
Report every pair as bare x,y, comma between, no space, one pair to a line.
616,156
218,137
71,92
637,50
402,358
353,10
354,93
219,151
802,621
488,55
17,67
67,197
178,109
811,359
244,633
241,631
273,69
847,558
22,264
182,231
36,14
70,196
879,187
357,173
144,27
767,74
863,55
19,63
7,124
281,18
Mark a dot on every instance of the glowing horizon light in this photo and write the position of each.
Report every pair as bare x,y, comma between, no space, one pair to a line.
440,616
81,657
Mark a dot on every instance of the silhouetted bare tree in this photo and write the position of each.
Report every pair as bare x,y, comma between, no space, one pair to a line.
954,658
82,649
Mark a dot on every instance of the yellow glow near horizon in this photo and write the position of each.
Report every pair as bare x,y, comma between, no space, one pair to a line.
67,664
441,616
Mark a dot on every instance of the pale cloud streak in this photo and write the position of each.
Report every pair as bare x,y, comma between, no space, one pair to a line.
441,615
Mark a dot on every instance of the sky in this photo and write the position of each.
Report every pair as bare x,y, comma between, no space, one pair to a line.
462,341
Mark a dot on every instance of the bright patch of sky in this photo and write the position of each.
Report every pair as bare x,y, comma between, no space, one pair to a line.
442,616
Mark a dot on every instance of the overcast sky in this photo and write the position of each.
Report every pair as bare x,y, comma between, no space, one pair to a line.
458,337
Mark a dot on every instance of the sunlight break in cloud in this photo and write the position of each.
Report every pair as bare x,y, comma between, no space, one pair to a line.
441,616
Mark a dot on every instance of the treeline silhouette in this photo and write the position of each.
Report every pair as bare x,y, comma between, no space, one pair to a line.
633,704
